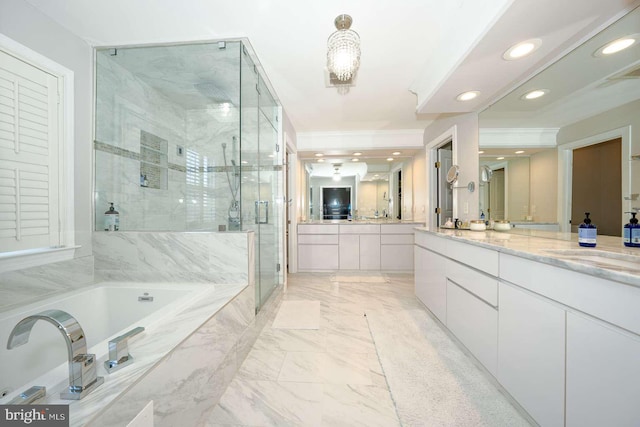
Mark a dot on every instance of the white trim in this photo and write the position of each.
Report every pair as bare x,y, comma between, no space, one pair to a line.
565,167
292,200
431,147
517,137
12,261
66,142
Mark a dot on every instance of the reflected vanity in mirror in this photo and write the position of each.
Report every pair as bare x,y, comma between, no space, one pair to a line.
562,144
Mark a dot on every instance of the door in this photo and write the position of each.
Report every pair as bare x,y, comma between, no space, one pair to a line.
596,186
496,195
445,190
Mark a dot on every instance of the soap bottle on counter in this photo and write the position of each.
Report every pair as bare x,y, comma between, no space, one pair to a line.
631,234
111,219
587,232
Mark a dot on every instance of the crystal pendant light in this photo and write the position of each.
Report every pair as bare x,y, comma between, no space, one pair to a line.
343,49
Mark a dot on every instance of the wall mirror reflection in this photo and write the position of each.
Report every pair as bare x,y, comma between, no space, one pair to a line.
563,143
372,182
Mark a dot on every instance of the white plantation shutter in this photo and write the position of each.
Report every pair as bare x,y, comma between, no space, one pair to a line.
29,156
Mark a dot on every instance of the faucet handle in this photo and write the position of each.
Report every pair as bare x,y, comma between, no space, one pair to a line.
119,356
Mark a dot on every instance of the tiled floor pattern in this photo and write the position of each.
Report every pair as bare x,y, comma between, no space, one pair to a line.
377,359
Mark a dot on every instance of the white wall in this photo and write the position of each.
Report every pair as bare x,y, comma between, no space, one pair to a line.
544,186
28,26
420,186
465,155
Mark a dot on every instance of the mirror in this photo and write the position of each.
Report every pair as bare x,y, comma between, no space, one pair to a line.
452,174
589,98
485,173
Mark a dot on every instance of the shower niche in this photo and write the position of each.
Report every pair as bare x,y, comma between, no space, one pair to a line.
186,139
153,161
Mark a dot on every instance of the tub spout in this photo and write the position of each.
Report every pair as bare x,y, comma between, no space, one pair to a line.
82,366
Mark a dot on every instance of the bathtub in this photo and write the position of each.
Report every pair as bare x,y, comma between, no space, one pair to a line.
104,311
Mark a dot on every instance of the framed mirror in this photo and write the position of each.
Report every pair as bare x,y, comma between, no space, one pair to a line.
452,174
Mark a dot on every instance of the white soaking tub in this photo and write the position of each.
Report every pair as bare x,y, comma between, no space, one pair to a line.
105,311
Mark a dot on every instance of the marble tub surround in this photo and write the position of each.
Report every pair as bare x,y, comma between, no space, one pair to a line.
355,369
173,256
186,384
31,284
558,249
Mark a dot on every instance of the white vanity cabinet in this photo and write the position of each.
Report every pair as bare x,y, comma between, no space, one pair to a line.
431,281
396,247
359,247
531,353
603,374
472,311
318,247
563,343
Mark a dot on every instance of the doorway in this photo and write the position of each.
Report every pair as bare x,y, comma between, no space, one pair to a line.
497,201
596,186
444,199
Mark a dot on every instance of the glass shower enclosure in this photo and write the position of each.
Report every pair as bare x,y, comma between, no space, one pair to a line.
186,139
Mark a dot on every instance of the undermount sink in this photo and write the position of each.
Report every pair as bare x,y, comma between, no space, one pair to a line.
599,258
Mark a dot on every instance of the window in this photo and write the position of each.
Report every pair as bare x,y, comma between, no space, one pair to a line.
36,163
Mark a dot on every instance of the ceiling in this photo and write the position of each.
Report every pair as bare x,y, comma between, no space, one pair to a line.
417,55
290,37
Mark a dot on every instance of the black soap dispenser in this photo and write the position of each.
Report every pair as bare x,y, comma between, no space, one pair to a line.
631,235
587,233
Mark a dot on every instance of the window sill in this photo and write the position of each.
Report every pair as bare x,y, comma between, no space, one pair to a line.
19,260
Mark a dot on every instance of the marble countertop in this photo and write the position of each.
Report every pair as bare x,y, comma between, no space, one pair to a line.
610,259
360,221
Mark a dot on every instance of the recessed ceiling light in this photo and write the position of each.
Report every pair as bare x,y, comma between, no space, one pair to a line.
319,154
522,49
499,158
480,152
396,153
320,160
390,159
617,45
357,153
468,96
519,151
355,160
535,94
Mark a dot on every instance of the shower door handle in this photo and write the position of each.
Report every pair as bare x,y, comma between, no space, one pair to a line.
262,212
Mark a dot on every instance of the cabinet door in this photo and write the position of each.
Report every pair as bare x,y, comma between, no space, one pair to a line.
318,257
349,252
431,282
603,374
475,323
369,252
396,257
531,353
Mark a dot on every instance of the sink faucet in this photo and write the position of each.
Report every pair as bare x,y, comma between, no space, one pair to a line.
82,366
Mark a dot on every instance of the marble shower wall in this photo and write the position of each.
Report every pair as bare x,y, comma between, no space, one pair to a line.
195,194
174,257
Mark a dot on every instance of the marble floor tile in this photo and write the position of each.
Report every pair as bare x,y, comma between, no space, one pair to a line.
378,359
326,368
291,340
298,314
262,365
269,403
357,405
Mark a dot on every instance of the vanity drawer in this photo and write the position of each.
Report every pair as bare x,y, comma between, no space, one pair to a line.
398,228
482,286
431,242
359,229
479,258
318,239
396,239
318,229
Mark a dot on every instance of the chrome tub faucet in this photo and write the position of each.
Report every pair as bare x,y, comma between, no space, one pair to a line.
83,377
